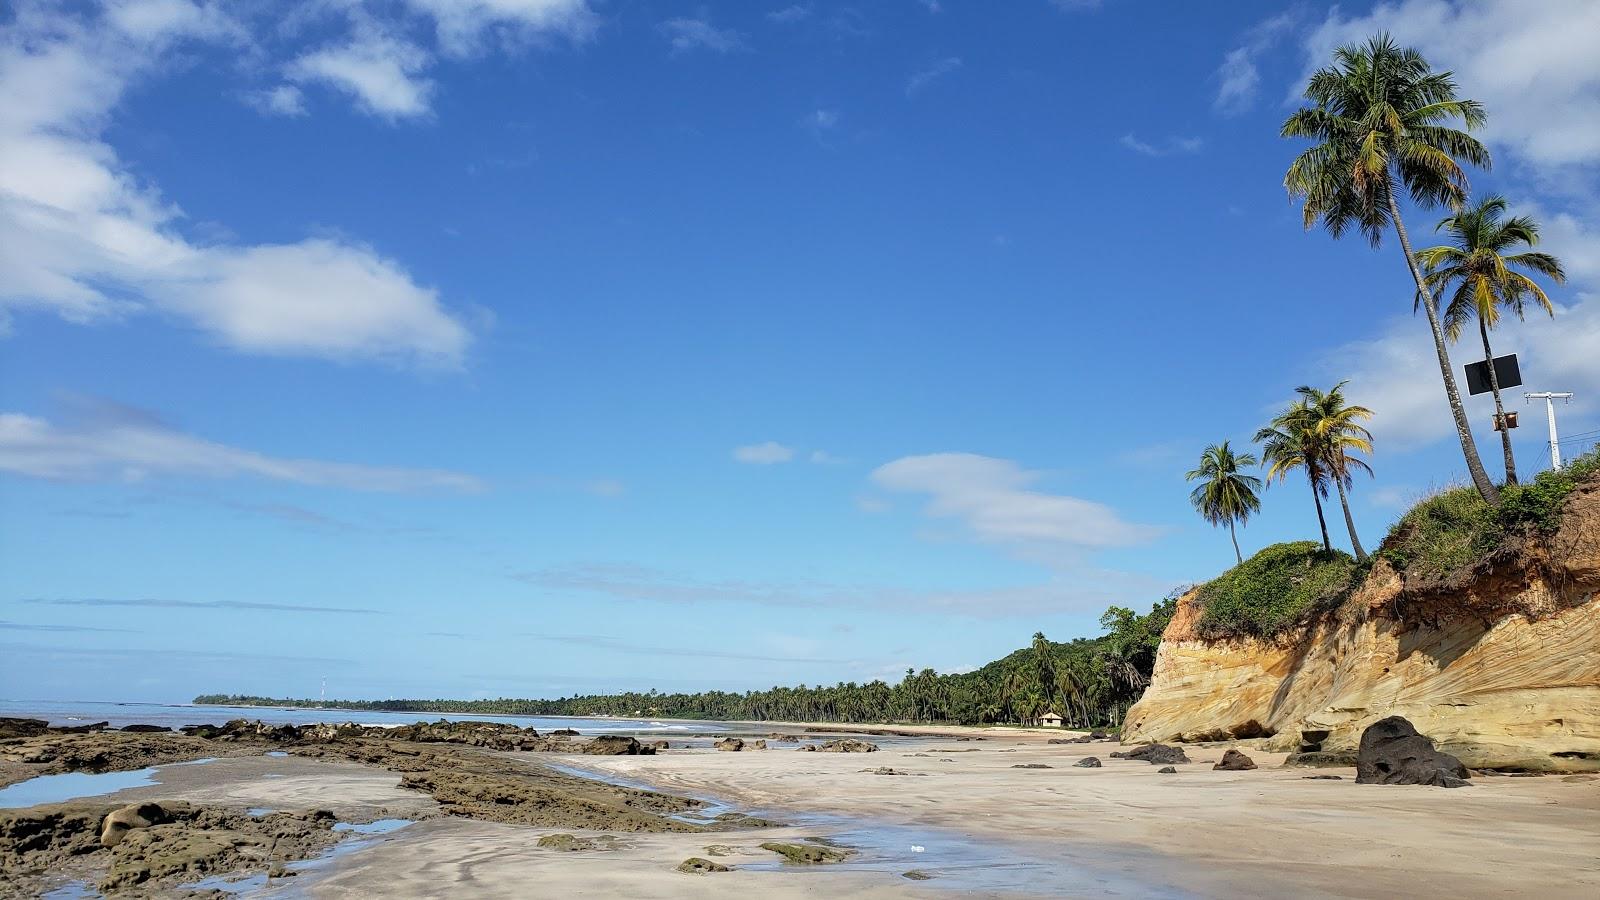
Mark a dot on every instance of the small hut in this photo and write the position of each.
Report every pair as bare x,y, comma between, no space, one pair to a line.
1050,720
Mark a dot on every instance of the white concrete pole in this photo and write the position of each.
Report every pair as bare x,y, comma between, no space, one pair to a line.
1550,398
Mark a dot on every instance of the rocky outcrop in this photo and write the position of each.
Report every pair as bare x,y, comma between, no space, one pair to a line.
843,745
1234,761
1498,665
1392,752
1154,754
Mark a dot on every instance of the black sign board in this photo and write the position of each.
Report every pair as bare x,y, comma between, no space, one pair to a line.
1505,371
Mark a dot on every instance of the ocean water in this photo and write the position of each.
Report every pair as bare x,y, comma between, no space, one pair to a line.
176,715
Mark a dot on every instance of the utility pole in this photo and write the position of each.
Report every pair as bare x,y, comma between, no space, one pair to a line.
1550,398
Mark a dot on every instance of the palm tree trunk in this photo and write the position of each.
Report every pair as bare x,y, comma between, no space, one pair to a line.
1350,523
1469,447
1326,544
1235,537
1499,409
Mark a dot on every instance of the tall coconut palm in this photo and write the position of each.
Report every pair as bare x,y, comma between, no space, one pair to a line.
1339,434
1225,494
1291,442
1475,264
1381,119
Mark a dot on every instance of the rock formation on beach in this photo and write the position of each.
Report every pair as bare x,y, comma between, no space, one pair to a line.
1392,752
1499,662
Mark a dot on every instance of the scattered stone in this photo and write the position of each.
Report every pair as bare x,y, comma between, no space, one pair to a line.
916,875
1322,759
144,729
784,738
658,746
1166,770
1322,777
1392,752
696,865
1234,761
1031,766
119,822
720,850
807,854
1154,754
730,744
1088,762
564,732
572,843
17,728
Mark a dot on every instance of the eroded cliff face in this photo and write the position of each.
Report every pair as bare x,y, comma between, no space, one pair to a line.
1501,666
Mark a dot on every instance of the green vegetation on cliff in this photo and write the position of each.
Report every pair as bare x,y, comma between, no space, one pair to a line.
1088,681
1274,590
1450,531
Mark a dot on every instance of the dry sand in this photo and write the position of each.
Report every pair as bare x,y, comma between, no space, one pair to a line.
988,828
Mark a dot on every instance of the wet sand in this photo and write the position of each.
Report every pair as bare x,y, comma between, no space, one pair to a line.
1123,829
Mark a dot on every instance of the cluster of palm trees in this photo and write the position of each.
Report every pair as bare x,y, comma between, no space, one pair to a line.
1383,126
1383,123
1317,435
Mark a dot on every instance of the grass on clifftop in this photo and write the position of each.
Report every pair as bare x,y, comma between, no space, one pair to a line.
1453,529
1274,590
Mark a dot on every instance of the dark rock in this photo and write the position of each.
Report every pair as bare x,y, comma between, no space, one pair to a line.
807,854
145,729
1311,740
1032,766
572,843
1319,759
696,865
1088,762
1234,761
1392,752
659,745
1154,754
16,728
1166,770
1322,777
731,744
617,745
916,875
81,729
564,732
1099,736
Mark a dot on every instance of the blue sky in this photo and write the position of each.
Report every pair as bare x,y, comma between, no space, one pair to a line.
454,348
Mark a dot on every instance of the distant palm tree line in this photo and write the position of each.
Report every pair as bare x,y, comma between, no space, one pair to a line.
1382,125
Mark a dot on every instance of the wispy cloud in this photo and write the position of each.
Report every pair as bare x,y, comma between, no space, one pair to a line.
143,655
994,500
112,442
689,34
283,100
1087,589
211,605
65,629
791,14
763,454
924,77
382,73
1162,147
1238,79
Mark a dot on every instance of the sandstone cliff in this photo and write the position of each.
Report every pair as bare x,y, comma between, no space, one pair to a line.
1501,664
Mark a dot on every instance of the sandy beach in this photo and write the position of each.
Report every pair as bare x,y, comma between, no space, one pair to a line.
977,812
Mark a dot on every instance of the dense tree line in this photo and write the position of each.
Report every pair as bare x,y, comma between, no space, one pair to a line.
1088,681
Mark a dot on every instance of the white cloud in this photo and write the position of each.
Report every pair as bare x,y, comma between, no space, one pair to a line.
283,100
993,500
1397,373
824,458
462,24
1167,147
1534,65
764,454
81,237
686,35
383,74
120,444
932,73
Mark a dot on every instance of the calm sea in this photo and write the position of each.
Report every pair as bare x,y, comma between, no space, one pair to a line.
176,715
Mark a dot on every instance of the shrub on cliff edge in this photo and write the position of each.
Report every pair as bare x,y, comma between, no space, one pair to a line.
1274,590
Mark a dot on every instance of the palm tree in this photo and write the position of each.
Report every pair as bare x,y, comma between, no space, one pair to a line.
1339,433
1291,442
1381,119
1485,283
1225,494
